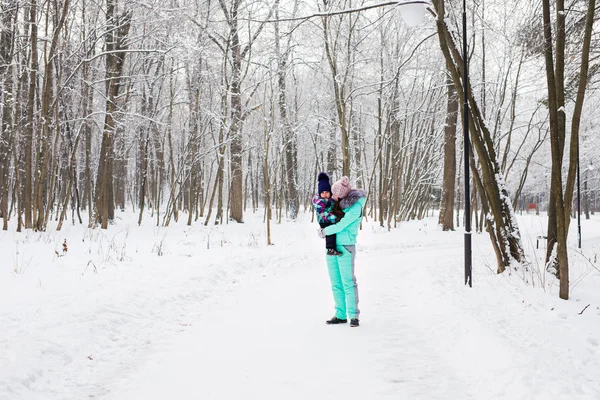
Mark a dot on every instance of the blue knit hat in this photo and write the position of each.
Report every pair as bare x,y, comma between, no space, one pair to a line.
323,185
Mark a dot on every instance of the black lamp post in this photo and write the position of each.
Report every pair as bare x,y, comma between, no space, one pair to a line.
468,258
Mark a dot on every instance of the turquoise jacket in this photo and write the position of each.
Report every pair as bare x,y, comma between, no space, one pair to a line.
346,229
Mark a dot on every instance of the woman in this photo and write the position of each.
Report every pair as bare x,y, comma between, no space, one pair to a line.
341,269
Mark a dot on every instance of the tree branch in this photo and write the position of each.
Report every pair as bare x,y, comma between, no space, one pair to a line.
347,11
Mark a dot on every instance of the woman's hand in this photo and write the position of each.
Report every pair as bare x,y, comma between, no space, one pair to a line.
321,233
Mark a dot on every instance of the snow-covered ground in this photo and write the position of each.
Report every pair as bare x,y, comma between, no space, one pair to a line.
213,313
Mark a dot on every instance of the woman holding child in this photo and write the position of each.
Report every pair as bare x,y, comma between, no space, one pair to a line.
340,264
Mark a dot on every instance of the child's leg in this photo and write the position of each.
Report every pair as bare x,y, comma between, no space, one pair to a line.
327,238
330,242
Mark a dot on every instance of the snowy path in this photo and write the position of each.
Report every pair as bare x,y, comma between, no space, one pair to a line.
269,341
245,321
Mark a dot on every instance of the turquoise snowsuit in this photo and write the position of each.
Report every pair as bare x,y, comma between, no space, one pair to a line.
341,268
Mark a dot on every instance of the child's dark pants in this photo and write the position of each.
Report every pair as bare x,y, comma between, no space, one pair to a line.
329,239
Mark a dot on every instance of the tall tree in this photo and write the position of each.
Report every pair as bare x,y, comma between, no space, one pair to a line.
44,154
448,184
118,25
8,17
289,136
560,202
238,52
339,48
31,120
502,226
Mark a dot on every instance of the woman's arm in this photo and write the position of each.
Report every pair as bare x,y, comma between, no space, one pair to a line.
353,213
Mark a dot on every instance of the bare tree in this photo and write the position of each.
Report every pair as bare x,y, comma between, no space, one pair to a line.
238,52
29,127
338,47
43,159
116,45
290,148
8,18
502,226
560,202
448,189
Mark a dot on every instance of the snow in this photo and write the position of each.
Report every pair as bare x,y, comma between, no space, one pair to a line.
220,315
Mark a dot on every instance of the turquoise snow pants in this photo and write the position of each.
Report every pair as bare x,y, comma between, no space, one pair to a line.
343,282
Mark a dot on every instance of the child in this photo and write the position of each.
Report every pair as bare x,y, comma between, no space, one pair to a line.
324,207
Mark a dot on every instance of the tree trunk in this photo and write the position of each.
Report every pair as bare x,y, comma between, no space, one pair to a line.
173,180
556,133
448,188
218,185
116,43
8,16
235,130
144,142
87,104
29,128
586,199
338,82
576,117
72,176
43,160
194,104
289,137
267,186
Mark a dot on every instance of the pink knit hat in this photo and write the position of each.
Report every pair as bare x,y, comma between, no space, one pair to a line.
341,188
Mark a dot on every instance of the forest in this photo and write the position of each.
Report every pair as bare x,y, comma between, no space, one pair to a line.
204,111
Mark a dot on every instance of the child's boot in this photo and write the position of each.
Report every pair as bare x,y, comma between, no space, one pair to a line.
333,252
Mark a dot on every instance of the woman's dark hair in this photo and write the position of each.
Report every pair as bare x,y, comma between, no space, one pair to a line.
337,210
